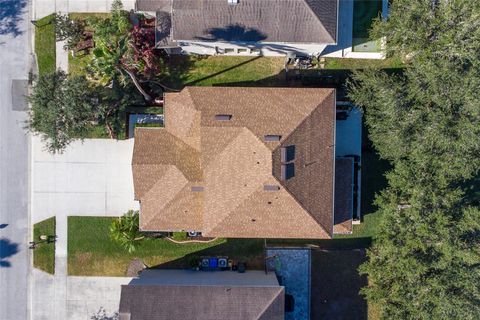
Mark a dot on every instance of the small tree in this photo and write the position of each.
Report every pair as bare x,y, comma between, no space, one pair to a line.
125,231
62,109
68,29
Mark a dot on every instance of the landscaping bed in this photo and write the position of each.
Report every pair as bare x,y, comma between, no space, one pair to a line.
44,253
45,44
91,251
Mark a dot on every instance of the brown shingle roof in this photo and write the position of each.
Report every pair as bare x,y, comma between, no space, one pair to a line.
293,21
234,162
343,195
158,302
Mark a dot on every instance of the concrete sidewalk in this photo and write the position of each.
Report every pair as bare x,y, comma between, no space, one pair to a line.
45,7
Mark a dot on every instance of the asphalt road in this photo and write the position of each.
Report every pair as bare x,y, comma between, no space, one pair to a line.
15,60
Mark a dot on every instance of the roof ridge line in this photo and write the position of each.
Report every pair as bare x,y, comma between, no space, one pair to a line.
302,206
248,197
236,135
318,19
270,302
158,181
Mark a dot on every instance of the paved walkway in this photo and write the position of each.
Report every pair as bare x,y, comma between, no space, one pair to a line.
45,7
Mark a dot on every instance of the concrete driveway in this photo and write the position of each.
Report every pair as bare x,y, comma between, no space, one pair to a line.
84,296
91,178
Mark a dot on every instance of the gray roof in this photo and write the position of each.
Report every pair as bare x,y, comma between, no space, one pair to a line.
226,301
343,211
292,21
178,277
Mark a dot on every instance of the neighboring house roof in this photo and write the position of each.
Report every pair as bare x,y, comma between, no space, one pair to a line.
290,21
233,164
344,170
225,295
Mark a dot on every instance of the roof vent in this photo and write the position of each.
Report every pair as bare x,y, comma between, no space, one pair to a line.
272,137
197,188
223,117
271,187
232,2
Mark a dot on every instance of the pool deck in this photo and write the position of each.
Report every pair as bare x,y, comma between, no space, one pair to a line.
344,46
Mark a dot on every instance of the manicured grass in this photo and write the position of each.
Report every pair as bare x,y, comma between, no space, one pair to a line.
91,252
343,63
45,45
222,70
148,125
97,132
85,15
44,253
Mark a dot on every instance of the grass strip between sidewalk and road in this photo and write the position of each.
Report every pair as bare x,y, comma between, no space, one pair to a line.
44,253
45,45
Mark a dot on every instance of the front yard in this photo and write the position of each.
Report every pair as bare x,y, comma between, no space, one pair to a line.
91,252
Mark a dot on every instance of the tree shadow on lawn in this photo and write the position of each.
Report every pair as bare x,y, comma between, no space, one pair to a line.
249,251
335,285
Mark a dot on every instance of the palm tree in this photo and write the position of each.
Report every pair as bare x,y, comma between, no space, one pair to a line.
125,231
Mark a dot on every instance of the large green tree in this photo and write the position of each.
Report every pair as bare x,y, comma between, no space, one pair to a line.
62,108
425,262
445,28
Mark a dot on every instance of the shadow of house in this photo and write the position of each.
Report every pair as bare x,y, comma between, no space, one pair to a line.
11,16
249,251
335,285
7,249
234,32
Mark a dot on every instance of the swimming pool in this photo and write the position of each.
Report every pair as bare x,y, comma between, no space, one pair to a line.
292,267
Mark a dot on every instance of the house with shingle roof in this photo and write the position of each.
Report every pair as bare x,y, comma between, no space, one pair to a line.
244,27
244,163
186,294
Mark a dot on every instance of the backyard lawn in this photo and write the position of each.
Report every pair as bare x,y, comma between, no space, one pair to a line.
45,45
223,70
348,64
91,252
44,253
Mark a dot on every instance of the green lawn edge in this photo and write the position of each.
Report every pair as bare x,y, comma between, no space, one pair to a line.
44,253
45,45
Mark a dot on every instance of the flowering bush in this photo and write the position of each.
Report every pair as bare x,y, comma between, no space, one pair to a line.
141,56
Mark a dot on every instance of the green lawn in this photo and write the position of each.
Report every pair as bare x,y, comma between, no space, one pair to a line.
222,70
44,254
45,45
343,63
91,252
